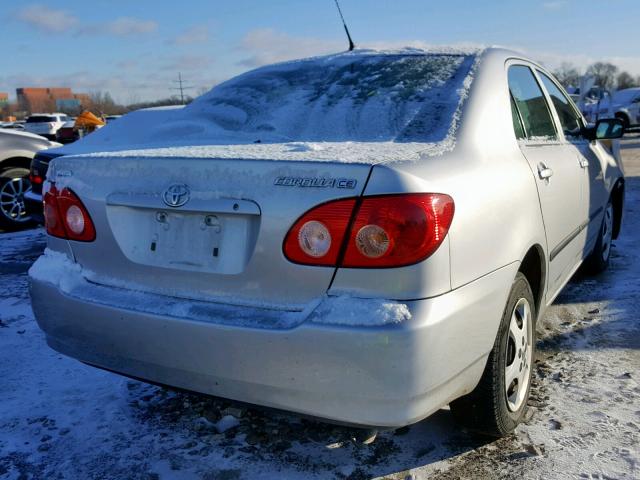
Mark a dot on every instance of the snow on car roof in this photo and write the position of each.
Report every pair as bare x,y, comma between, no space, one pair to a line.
339,107
626,95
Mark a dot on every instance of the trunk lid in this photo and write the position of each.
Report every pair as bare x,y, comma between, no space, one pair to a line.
223,243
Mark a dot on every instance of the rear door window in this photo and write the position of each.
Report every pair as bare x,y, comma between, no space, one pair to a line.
531,103
517,122
569,118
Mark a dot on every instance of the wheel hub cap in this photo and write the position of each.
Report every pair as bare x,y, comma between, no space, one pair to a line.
518,355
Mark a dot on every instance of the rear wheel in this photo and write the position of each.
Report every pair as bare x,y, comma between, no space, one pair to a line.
14,183
598,259
499,402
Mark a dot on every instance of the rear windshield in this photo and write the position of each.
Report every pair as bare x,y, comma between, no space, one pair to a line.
41,119
404,98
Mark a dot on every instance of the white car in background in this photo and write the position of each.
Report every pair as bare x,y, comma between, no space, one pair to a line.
16,151
625,106
45,124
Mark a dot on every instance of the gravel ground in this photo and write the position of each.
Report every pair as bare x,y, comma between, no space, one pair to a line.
60,419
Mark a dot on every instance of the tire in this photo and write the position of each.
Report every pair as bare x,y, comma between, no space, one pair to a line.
14,183
598,259
498,405
625,120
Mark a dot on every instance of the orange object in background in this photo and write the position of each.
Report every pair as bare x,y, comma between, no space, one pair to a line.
88,122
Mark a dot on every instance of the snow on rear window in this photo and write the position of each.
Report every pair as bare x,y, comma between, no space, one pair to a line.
402,98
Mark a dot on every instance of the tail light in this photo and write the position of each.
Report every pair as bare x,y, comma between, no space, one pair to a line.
66,217
316,238
372,232
35,178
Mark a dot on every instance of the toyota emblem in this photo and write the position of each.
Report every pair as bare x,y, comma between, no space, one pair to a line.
176,195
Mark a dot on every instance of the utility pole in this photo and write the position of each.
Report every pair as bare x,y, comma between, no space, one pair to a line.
181,87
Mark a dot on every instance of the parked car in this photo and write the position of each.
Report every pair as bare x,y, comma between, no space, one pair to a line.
12,125
16,151
109,140
45,124
625,106
364,237
67,133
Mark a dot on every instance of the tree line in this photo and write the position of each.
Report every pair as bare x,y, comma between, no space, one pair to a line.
607,75
103,103
100,103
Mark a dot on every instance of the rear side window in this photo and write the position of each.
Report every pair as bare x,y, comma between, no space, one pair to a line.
531,103
569,119
40,119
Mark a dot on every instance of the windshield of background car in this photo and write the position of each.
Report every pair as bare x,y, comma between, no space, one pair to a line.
40,119
402,98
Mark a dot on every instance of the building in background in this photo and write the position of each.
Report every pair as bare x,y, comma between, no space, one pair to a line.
4,100
46,100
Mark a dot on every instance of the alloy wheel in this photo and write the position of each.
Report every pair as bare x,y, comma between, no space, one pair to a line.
607,232
518,356
12,203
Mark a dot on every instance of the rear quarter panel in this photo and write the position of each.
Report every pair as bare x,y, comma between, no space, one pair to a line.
497,211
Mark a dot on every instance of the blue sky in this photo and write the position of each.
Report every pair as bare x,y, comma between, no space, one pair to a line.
135,49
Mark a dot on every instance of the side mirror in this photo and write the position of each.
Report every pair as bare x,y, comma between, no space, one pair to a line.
605,129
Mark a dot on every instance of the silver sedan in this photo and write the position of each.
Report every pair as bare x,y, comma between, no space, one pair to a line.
364,237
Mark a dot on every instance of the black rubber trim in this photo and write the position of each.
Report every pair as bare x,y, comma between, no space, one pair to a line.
556,251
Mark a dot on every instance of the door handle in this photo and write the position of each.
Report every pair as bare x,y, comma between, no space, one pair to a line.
584,163
544,172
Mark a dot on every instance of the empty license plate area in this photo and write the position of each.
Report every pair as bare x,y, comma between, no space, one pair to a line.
185,240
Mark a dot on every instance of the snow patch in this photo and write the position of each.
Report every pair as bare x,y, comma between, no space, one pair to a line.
58,269
348,310
226,423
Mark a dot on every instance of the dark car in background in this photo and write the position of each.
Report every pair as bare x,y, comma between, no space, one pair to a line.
101,140
68,132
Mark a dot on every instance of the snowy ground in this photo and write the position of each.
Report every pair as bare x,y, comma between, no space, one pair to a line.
62,419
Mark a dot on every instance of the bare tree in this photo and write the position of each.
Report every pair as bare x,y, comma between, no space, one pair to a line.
103,104
568,75
625,80
604,73
173,100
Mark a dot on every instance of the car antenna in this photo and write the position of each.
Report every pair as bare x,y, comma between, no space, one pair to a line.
344,24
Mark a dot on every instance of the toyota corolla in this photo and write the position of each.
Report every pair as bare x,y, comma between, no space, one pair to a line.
363,237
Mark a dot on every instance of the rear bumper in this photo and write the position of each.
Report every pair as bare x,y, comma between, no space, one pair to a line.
386,376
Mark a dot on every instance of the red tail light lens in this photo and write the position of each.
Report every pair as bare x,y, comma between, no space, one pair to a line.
372,232
317,236
66,217
34,178
52,219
